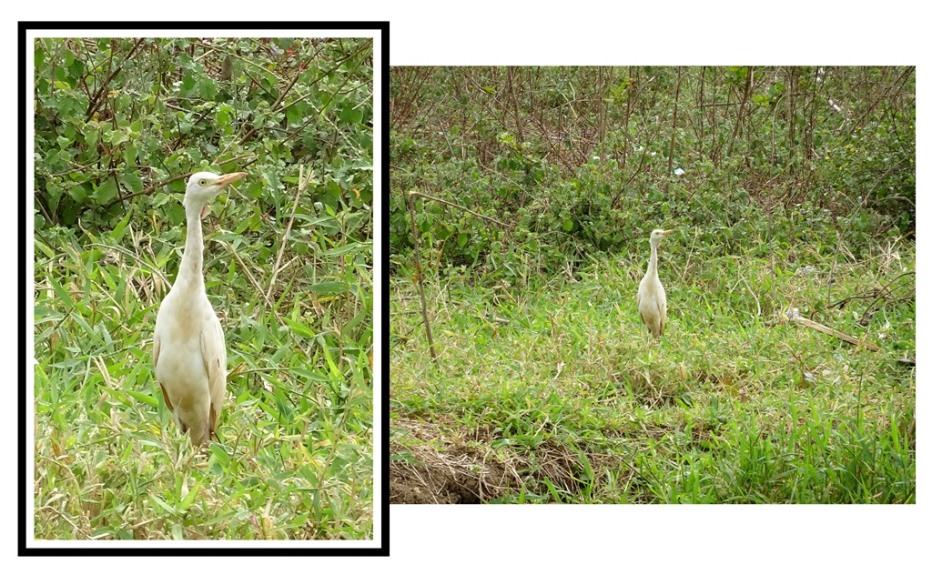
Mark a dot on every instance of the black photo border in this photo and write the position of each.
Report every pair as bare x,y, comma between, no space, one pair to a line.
245,549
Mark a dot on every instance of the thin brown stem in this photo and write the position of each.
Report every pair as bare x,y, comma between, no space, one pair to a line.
419,275
302,185
451,204
514,105
98,98
676,101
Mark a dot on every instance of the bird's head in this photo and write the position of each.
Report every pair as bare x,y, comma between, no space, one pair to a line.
203,187
657,235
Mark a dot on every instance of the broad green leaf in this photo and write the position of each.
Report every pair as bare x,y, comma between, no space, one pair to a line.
334,370
143,397
347,249
78,192
224,115
129,155
62,294
105,192
207,89
351,115
117,137
76,69
188,82
91,133
161,503
132,181
300,328
189,498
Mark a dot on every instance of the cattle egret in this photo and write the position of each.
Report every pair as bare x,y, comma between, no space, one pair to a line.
652,300
189,352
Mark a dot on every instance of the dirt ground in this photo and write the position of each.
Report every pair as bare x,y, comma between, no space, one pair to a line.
432,463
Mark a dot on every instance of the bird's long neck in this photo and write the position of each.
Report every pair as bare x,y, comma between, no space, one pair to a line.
652,266
191,272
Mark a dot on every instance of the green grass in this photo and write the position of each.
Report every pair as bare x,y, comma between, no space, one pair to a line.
294,460
551,391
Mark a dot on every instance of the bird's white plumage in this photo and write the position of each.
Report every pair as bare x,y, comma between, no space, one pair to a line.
189,350
652,299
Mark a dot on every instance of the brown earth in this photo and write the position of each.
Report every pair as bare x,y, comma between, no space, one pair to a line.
438,464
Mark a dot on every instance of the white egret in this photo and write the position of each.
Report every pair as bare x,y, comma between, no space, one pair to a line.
189,349
652,299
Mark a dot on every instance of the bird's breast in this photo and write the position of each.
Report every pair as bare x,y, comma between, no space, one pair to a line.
180,364
179,325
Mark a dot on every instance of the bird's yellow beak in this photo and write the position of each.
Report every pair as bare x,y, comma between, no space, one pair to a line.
227,179
667,232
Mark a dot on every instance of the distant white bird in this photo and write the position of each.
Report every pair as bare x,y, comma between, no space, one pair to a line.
189,352
652,299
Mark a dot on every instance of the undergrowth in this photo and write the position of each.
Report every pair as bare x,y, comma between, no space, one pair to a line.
558,385
294,456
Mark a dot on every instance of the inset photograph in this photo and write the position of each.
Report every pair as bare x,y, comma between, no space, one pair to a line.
653,285
200,235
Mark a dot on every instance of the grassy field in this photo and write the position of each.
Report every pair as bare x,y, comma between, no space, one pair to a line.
548,389
294,457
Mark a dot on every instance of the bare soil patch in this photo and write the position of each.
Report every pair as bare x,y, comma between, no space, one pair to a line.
433,463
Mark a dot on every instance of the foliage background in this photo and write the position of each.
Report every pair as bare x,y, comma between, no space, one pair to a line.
119,126
790,187
576,160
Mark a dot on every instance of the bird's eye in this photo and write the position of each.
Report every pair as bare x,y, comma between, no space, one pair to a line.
203,182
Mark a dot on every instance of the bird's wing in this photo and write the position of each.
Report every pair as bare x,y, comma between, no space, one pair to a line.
156,347
214,351
661,315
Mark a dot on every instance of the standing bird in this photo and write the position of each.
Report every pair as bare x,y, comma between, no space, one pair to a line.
652,299
189,352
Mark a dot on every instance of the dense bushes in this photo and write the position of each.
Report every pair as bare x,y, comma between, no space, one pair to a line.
121,118
577,160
